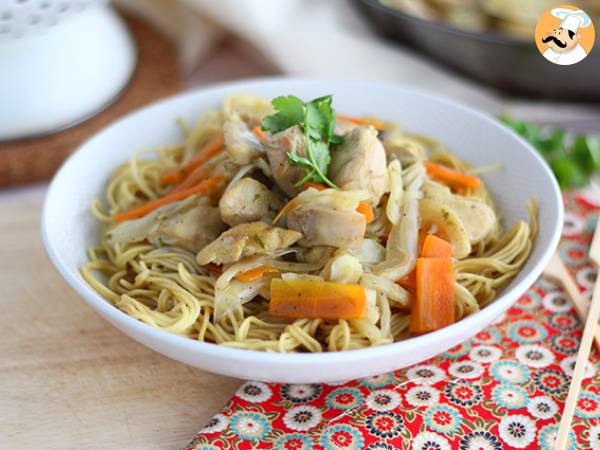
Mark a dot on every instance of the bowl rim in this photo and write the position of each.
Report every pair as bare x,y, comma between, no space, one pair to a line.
115,315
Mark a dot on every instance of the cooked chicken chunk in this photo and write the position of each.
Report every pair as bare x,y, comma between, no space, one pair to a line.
343,127
360,163
478,219
321,225
278,146
247,200
246,239
241,144
191,229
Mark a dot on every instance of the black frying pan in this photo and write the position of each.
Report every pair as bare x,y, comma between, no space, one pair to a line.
511,65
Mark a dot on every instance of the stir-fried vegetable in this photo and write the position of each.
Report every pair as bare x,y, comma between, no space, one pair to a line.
259,133
433,305
317,300
366,211
316,118
378,124
573,161
204,187
212,148
255,274
450,176
434,247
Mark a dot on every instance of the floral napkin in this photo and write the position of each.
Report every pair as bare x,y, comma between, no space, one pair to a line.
503,389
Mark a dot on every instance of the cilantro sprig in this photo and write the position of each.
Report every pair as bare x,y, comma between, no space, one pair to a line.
573,159
316,118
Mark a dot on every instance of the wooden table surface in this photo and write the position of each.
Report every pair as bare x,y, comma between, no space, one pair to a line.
69,379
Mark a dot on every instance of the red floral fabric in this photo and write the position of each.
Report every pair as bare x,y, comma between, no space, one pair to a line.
503,389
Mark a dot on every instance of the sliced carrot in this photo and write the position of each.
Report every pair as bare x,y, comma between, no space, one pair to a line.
360,121
259,133
366,211
435,247
255,274
283,210
204,187
317,300
451,177
212,147
433,304
409,281
194,177
317,186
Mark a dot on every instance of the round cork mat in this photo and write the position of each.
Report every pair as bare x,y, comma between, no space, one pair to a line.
156,75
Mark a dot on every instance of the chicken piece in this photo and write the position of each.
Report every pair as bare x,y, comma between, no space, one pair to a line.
360,163
321,225
344,127
278,146
247,200
478,218
241,144
246,239
191,228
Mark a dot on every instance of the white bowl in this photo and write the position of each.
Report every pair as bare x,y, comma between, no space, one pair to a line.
68,227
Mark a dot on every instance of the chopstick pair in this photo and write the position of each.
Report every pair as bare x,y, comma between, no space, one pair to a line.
591,332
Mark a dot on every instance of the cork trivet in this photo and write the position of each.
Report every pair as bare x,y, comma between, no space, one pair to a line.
156,75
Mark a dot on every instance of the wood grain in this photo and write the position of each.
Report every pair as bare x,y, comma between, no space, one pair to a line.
68,379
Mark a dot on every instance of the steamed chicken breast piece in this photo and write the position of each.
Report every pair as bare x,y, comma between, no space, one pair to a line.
360,163
247,200
191,229
321,225
241,144
190,224
244,240
328,217
477,218
278,146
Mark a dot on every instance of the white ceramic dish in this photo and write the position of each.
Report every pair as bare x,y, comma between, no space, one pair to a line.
68,227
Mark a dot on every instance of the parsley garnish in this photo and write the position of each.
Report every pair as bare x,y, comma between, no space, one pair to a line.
316,119
573,161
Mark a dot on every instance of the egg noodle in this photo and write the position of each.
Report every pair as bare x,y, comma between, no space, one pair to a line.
164,286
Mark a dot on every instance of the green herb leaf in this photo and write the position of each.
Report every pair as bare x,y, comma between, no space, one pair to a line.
568,173
290,111
574,164
316,119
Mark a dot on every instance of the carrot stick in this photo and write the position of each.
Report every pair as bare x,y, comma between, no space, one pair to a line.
365,210
450,176
433,305
434,247
259,133
212,147
195,176
255,274
360,121
317,186
317,299
283,210
409,281
204,187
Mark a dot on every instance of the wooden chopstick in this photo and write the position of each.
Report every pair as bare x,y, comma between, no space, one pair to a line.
557,270
591,324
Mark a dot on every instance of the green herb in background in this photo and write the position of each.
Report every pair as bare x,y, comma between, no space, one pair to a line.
573,161
316,119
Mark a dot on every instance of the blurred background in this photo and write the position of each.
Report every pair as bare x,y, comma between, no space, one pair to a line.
71,67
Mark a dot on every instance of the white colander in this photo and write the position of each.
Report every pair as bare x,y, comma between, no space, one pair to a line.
60,62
